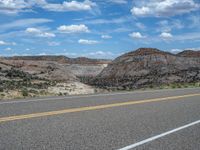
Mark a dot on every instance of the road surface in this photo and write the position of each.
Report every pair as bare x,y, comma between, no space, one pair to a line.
146,120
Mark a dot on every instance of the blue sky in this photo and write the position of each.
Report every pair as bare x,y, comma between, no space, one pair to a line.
97,28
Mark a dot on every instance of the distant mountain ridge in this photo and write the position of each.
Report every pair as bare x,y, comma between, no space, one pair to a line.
61,59
189,53
150,66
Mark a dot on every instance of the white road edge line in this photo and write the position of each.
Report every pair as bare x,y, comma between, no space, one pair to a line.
159,136
83,96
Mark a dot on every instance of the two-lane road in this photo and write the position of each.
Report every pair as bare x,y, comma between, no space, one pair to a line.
161,119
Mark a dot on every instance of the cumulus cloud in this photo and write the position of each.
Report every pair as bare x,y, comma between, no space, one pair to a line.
13,6
87,42
67,6
166,35
106,37
16,6
73,28
164,8
136,35
38,33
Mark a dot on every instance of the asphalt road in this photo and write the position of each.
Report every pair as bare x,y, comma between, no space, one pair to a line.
146,120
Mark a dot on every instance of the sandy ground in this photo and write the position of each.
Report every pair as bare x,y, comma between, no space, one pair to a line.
72,88
61,89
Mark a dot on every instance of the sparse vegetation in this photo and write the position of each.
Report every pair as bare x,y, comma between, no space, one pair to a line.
24,92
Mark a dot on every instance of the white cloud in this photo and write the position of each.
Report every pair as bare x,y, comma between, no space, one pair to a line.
166,26
136,35
164,8
67,6
73,28
16,6
47,34
3,43
87,42
95,54
38,33
8,49
7,43
194,21
13,6
175,51
188,36
53,43
106,37
122,29
140,25
42,54
24,23
119,1
101,54
166,35
110,21
193,49
140,11
33,30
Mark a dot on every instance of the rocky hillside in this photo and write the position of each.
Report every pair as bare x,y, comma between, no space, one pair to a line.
57,67
44,75
189,53
61,59
43,69
148,66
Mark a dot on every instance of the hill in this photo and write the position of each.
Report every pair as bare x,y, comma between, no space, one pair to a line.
149,67
44,75
61,59
189,53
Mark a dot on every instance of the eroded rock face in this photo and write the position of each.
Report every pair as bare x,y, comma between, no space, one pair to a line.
189,53
56,68
148,66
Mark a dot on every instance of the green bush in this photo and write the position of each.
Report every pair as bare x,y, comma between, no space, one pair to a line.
25,92
1,89
173,86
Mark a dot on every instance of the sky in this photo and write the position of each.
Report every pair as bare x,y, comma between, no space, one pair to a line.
97,28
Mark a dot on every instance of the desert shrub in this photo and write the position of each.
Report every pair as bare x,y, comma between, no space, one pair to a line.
60,94
179,86
24,92
96,90
185,86
42,92
151,86
1,89
33,91
173,86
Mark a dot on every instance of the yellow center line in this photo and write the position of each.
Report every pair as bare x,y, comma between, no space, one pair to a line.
73,110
